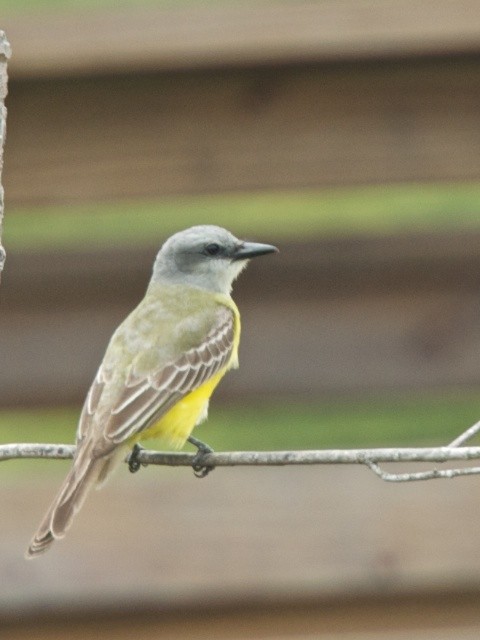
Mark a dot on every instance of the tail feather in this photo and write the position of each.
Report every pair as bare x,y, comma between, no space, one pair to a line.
69,500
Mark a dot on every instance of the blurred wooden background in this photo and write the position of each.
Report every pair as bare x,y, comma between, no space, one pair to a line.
376,315
153,102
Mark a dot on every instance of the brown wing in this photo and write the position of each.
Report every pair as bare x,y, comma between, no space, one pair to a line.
146,398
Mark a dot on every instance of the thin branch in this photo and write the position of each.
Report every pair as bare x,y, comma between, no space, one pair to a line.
433,474
5,53
30,450
468,434
260,458
368,457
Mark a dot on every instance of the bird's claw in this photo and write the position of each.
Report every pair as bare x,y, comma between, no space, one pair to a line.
200,469
134,463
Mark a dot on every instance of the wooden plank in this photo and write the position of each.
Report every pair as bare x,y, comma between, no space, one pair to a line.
333,540
352,316
59,43
283,128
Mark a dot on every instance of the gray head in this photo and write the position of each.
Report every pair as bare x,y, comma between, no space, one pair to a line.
206,257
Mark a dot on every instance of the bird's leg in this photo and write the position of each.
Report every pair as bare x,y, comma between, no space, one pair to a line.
134,463
200,469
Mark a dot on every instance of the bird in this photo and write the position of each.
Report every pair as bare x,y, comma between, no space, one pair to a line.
160,367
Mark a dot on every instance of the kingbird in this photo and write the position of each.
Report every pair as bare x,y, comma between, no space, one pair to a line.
161,364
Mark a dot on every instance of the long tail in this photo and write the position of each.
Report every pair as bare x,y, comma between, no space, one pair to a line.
84,474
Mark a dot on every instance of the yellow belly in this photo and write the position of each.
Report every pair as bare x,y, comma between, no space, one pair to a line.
177,424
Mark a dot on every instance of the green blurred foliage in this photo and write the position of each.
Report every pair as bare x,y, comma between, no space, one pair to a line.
38,6
293,215
403,421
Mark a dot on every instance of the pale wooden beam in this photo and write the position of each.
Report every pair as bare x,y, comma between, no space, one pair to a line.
192,36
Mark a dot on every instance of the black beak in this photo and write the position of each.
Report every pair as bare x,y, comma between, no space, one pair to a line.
248,250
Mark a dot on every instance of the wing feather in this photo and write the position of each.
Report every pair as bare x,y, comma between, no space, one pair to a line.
145,399
138,392
90,405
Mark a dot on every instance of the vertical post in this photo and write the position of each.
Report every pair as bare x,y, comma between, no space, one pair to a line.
5,52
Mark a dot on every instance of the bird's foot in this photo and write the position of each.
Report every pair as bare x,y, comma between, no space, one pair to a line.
200,469
134,463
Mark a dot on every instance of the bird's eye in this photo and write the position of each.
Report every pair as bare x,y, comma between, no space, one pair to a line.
213,249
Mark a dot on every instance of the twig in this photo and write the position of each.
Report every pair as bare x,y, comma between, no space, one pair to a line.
433,474
368,457
468,434
5,53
